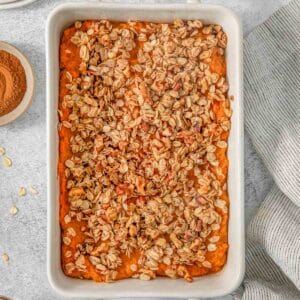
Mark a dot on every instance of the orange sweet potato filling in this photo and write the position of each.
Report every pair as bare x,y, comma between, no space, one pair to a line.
69,62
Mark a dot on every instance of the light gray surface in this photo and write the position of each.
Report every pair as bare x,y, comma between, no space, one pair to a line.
23,236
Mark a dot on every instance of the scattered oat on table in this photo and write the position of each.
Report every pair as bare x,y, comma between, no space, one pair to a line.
22,191
13,210
7,162
32,190
2,151
5,257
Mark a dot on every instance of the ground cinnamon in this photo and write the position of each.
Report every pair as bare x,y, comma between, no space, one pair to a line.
12,82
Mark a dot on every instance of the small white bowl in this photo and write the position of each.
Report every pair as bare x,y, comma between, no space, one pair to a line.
26,101
6,4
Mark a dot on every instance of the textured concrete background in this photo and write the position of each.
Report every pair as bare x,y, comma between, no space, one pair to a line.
23,236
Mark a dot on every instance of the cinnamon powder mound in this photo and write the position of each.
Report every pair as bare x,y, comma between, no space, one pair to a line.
12,82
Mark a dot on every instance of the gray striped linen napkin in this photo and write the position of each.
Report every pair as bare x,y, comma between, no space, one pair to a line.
272,119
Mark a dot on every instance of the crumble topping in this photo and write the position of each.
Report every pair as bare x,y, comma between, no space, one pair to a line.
144,174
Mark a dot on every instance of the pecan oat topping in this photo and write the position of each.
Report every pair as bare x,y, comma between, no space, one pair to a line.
143,175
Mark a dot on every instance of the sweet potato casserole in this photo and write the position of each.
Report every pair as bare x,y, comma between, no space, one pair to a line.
144,121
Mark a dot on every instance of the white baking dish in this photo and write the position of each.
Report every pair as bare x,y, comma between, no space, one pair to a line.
214,285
